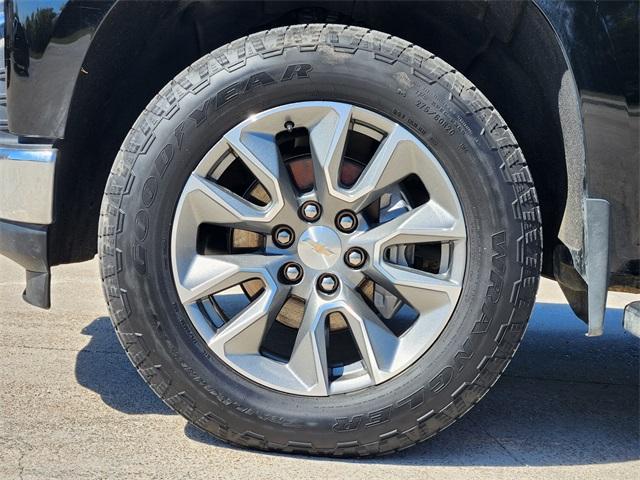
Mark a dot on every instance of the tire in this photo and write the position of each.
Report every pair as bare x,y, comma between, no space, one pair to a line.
399,81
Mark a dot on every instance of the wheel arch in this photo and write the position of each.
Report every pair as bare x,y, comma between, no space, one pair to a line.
137,49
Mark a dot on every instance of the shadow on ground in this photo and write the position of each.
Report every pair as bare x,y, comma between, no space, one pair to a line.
102,366
565,399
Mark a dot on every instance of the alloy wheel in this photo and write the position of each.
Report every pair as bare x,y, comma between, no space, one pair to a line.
318,248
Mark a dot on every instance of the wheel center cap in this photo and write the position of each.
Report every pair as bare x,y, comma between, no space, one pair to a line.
319,247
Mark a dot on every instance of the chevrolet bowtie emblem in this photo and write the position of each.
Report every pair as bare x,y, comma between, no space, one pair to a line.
319,248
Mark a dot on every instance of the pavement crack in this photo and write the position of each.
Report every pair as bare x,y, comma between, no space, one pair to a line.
62,349
20,465
23,448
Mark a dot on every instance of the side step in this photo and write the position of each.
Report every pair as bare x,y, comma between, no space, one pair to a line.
631,319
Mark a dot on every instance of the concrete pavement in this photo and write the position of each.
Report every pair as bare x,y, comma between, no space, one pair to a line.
72,406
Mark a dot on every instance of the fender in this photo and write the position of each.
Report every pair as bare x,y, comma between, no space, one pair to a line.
602,235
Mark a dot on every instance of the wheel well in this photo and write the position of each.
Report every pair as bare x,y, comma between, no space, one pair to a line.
138,49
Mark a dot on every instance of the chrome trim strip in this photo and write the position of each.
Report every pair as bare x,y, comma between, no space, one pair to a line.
27,182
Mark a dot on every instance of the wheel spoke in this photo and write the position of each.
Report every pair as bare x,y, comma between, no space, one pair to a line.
391,163
243,334
427,223
377,344
397,157
260,154
206,275
423,291
204,201
327,140
309,357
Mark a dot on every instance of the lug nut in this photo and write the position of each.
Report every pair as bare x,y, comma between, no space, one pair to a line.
310,211
346,221
292,272
327,283
283,236
355,257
